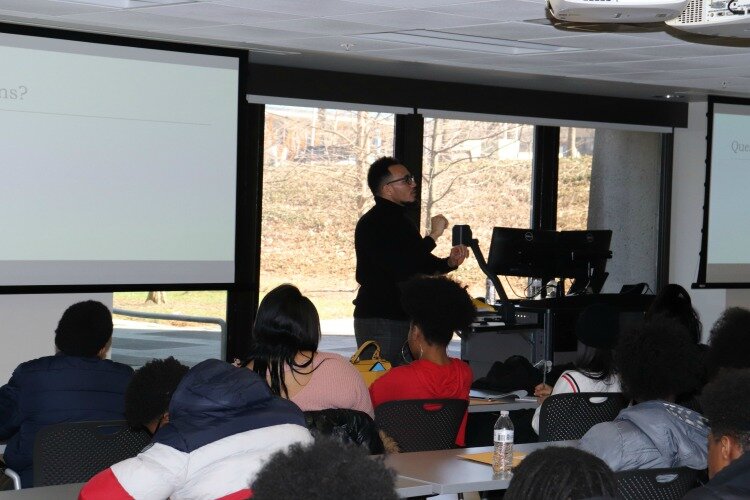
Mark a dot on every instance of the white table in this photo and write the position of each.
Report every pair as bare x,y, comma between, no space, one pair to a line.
449,474
482,405
59,492
407,487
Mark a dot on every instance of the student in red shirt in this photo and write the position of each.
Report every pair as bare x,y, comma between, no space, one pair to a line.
437,307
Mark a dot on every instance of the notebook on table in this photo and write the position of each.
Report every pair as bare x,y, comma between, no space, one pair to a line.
488,395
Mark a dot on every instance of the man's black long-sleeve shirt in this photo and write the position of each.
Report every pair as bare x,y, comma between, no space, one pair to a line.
389,250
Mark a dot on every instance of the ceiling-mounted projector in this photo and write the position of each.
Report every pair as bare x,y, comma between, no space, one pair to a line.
715,18
616,11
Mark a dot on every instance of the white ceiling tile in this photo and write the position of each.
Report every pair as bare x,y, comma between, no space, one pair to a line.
221,14
598,56
239,33
413,4
337,44
49,7
497,10
322,26
600,41
323,8
424,54
138,20
412,19
514,30
689,50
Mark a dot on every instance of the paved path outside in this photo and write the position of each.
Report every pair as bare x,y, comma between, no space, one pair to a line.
135,342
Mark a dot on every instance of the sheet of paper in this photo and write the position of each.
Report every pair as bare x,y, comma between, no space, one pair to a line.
486,457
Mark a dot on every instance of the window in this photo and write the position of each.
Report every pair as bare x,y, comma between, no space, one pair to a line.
314,191
137,339
477,173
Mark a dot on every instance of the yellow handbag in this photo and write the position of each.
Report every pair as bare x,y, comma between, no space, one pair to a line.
370,369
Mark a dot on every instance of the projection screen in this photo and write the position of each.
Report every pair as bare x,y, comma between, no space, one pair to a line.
725,253
119,163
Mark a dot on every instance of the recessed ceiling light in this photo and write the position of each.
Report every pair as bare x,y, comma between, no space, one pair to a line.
670,97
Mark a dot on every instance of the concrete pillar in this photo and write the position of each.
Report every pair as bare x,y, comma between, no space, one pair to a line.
624,197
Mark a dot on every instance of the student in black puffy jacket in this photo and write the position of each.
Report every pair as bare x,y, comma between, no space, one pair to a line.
77,384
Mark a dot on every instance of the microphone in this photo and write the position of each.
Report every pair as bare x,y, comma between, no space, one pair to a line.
462,235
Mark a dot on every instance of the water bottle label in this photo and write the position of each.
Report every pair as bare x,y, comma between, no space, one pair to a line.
503,436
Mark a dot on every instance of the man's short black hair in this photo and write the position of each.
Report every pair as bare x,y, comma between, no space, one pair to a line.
726,405
729,343
658,360
559,473
84,329
150,390
323,470
379,173
438,306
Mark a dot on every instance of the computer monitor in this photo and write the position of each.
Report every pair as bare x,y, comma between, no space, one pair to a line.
583,255
523,252
579,251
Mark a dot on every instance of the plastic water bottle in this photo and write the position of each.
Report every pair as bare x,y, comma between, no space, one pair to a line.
502,457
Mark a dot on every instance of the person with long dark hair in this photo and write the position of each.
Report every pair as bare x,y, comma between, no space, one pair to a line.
284,351
597,330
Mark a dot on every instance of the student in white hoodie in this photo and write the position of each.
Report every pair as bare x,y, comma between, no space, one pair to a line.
597,330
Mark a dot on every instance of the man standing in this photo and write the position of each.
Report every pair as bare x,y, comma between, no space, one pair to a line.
390,250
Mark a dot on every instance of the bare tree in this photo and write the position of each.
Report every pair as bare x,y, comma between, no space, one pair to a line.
453,143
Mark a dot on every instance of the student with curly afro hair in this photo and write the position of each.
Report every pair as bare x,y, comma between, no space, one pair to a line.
559,473
149,392
324,470
729,342
726,402
437,307
657,362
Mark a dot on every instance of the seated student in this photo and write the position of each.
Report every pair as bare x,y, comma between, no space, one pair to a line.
324,470
436,307
729,342
559,473
284,351
597,329
726,402
656,362
150,391
223,424
77,384
673,301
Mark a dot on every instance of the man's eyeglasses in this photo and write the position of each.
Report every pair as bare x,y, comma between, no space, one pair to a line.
407,179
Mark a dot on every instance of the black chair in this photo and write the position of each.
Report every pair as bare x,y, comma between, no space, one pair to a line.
73,452
422,424
570,416
655,484
347,426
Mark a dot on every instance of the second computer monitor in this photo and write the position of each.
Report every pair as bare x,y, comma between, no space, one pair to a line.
523,252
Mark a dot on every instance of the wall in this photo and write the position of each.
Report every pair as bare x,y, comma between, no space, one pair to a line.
625,198
688,176
27,326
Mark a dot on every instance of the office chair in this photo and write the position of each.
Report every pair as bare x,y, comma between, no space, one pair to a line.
422,424
13,476
655,484
73,452
347,426
570,416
